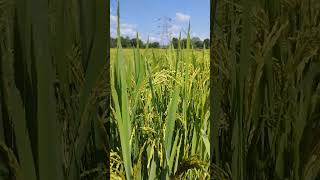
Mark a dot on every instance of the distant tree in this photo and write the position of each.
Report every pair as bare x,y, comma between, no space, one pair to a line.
113,42
134,43
195,39
184,43
196,42
207,43
155,45
123,42
175,42
127,42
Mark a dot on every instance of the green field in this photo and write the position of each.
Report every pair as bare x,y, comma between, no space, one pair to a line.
265,69
160,113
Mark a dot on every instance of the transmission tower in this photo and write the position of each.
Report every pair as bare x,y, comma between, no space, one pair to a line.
165,23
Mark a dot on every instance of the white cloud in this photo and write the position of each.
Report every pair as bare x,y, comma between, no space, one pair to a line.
182,17
179,25
128,26
113,32
202,36
113,25
125,30
154,39
128,30
113,19
175,30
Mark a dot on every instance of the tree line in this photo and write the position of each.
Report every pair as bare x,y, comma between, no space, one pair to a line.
127,42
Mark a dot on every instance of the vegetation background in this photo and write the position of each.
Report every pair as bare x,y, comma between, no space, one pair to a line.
265,89
54,99
131,43
265,92
160,111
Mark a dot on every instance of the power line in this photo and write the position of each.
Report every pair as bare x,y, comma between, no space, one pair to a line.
165,24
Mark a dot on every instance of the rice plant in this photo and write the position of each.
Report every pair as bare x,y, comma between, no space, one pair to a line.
265,72
53,89
160,112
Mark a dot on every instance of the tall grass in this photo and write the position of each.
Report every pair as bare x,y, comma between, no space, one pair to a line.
53,64
265,75
160,112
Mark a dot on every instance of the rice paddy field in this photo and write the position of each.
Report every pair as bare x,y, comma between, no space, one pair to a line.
160,113
265,63
53,90
248,108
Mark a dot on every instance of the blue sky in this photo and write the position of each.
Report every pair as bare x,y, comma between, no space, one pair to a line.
147,17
